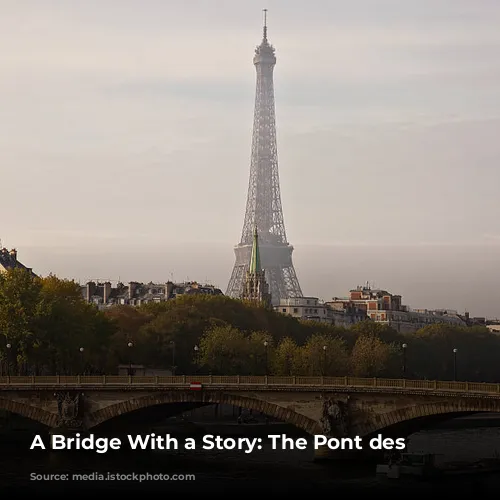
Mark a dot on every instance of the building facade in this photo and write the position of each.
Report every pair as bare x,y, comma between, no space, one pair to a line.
383,307
313,309
103,294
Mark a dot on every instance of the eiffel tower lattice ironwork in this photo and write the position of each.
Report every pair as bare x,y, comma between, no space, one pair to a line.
264,210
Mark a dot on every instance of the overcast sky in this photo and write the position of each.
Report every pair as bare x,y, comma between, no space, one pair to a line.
125,132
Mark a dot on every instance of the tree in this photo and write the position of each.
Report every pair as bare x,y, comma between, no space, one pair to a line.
326,355
371,328
224,350
66,324
46,322
288,358
19,292
261,352
129,323
477,356
371,356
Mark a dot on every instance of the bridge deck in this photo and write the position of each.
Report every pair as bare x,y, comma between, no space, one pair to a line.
246,383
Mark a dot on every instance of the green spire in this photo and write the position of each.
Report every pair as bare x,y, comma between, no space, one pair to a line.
255,259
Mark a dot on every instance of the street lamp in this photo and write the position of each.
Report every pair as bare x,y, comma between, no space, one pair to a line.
455,364
130,345
82,366
173,357
196,349
404,346
324,359
266,343
8,359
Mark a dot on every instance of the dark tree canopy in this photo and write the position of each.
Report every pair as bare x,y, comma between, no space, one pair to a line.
50,329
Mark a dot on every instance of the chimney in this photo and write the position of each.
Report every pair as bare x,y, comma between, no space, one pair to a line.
131,289
91,286
169,288
106,292
13,254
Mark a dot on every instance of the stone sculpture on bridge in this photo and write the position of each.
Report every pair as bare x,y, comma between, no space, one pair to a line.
69,410
335,418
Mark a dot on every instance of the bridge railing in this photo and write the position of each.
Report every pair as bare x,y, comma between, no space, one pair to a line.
244,381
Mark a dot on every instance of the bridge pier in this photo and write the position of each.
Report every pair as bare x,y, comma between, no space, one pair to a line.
70,416
335,422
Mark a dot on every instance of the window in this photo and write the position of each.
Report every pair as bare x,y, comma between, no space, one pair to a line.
283,310
295,310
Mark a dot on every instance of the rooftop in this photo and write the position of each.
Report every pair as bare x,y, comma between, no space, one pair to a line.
8,260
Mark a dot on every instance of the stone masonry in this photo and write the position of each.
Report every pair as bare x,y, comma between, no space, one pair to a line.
337,413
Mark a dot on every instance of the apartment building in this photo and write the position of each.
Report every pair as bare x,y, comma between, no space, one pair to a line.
383,307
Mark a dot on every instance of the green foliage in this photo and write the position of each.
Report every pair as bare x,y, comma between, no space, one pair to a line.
223,349
371,357
19,293
326,355
46,322
288,359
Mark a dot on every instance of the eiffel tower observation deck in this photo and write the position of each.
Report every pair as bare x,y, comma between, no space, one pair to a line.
263,210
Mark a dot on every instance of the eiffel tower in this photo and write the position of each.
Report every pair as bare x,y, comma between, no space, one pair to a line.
263,211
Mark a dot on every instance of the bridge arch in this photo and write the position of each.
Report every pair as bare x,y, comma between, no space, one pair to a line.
39,415
410,419
287,415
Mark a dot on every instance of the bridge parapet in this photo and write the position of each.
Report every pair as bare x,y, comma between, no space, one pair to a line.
250,382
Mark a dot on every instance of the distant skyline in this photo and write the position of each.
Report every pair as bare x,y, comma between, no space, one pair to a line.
125,128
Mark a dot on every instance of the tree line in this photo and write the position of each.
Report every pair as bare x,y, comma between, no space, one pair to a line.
47,328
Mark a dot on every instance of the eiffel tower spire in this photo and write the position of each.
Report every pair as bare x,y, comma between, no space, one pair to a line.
263,211
264,36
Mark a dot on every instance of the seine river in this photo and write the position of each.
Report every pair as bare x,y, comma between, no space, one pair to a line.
235,471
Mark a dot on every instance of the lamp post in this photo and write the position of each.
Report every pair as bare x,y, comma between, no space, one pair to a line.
8,359
324,359
172,343
82,364
130,345
266,343
196,349
455,364
404,346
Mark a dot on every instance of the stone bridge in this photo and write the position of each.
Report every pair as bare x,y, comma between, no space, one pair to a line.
334,406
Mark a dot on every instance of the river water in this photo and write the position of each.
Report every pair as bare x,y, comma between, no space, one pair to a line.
234,471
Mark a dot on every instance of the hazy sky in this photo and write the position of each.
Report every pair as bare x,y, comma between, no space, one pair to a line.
125,132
